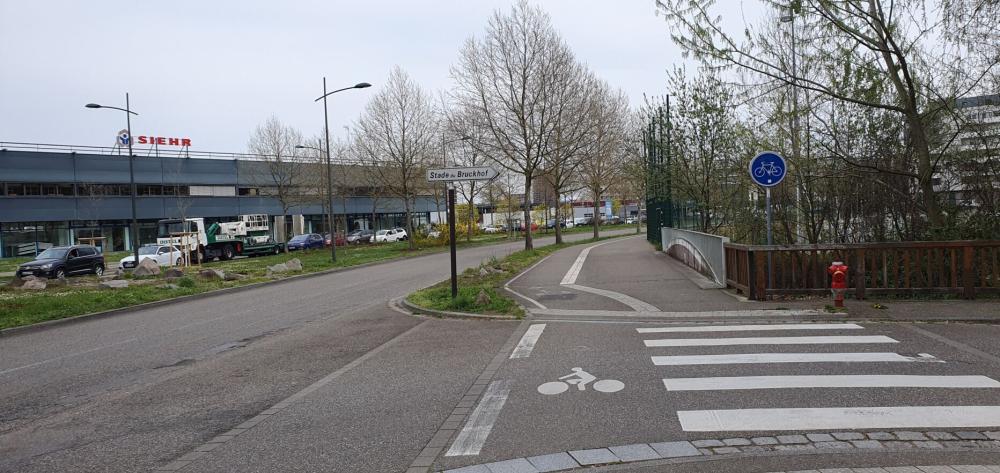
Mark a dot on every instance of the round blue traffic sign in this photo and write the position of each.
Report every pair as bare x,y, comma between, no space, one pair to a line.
767,169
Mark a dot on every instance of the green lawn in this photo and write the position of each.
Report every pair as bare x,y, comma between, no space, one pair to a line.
473,280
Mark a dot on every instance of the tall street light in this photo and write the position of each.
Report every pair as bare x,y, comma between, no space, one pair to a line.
329,166
131,171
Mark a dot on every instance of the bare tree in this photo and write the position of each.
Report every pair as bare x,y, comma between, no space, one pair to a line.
601,166
398,130
509,82
279,173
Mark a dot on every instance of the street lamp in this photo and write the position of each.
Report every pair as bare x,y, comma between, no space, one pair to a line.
131,171
329,166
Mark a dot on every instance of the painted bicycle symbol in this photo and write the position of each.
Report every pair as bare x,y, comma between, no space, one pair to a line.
767,168
580,378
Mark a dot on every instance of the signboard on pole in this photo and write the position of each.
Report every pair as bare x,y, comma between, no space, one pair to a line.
123,138
480,173
768,169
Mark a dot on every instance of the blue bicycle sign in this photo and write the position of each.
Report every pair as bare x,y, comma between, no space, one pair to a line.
767,169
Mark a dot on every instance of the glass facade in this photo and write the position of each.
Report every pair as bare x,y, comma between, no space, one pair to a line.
29,238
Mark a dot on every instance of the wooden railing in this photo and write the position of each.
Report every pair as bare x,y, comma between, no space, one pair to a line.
965,268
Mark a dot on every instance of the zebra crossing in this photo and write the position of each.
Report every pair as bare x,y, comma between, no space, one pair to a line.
783,347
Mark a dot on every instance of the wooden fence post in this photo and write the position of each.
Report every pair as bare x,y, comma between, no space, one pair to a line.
968,276
751,275
760,280
859,271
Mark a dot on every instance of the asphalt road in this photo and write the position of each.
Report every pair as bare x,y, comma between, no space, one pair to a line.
135,391
375,389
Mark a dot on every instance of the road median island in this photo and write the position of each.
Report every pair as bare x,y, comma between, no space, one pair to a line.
480,289
85,296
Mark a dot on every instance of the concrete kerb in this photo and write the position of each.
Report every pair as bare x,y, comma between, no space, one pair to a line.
717,449
203,295
416,309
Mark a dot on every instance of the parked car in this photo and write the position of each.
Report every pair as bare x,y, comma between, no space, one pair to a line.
62,261
402,233
570,224
493,229
341,240
306,241
388,236
360,236
164,255
630,220
551,223
433,233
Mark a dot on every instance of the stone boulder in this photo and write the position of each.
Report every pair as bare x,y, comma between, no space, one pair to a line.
234,276
32,283
17,281
173,273
211,274
58,282
146,267
277,269
294,264
483,298
114,284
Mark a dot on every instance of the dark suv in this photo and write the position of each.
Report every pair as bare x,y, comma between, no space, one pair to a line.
63,261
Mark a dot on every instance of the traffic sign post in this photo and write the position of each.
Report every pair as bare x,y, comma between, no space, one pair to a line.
483,173
767,170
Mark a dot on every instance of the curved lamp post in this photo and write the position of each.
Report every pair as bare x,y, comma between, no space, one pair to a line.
329,166
131,171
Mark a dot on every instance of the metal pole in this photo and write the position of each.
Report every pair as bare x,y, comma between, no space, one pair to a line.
131,177
451,230
329,180
770,238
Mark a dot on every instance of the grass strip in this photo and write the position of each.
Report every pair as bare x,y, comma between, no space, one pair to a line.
489,277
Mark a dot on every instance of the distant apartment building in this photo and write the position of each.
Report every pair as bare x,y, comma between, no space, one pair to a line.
972,151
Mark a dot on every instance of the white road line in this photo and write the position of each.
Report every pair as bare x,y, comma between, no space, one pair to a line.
827,381
750,328
750,358
711,342
635,304
840,418
574,271
528,341
679,315
473,436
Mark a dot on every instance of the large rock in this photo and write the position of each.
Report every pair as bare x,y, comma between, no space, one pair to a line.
294,264
278,268
211,274
34,284
58,282
173,273
146,267
483,298
114,284
17,281
234,276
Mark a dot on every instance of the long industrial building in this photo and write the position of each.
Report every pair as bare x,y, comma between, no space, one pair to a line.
54,195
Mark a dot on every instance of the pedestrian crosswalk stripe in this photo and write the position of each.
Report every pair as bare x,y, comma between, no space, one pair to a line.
750,358
827,381
750,328
840,418
704,342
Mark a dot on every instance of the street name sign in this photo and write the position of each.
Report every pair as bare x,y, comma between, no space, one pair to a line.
482,173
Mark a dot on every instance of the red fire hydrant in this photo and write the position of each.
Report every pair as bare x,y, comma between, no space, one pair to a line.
838,282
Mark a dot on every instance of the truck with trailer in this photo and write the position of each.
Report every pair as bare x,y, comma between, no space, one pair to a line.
250,235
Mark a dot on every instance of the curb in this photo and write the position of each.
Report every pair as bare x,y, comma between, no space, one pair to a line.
8,332
416,310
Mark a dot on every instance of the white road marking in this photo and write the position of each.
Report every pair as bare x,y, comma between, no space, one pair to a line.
840,418
750,328
827,381
824,340
635,304
661,314
528,341
477,428
574,271
749,358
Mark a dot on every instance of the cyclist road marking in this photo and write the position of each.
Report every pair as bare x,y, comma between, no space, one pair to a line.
812,418
473,436
528,341
705,342
828,381
750,328
751,358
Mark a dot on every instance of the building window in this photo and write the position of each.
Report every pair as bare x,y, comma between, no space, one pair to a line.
249,191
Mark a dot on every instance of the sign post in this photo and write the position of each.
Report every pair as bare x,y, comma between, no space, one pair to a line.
767,170
450,175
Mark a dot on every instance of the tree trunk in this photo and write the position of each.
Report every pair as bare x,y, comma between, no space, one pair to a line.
559,238
409,223
597,216
472,214
926,172
528,244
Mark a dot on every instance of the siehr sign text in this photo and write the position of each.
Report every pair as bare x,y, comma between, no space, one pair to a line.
164,141
483,173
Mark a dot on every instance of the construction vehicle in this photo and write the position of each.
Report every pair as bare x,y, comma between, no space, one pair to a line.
249,236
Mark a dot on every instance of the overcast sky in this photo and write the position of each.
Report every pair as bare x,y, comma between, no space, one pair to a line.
212,70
